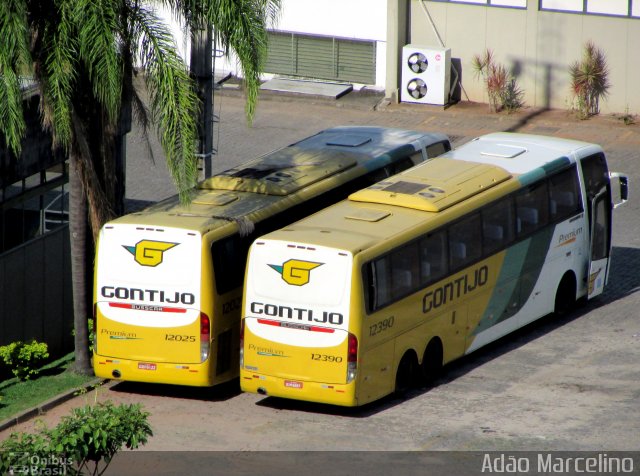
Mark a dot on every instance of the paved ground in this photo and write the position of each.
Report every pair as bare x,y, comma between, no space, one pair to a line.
561,384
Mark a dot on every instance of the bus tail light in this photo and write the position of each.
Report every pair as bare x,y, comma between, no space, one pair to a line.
352,358
205,337
242,343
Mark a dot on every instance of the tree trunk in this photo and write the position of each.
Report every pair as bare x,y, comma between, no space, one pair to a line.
79,274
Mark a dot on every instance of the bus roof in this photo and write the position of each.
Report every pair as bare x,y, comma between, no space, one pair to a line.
520,153
243,191
417,195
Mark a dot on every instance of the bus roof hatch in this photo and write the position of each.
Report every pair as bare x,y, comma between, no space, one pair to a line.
434,185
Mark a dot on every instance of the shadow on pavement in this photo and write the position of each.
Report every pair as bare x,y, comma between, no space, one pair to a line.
218,393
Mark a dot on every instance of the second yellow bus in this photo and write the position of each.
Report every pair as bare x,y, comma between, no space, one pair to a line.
362,298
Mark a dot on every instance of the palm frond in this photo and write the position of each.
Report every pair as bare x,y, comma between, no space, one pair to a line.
98,30
271,10
59,75
14,61
174,102
241,26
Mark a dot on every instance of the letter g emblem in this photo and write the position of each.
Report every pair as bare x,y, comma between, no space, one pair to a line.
296,272
148,252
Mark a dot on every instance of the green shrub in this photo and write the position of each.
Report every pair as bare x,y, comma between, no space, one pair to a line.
501,85
589,81
23,359
81,442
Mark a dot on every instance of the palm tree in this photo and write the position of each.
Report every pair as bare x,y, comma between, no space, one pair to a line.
84,54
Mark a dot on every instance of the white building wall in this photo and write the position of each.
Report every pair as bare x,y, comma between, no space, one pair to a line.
355,19
178,30
351,19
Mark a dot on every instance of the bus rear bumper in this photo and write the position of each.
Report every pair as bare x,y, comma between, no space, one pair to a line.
195,375
333,394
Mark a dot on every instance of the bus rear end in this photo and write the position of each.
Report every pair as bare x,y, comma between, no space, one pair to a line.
149,323
295,331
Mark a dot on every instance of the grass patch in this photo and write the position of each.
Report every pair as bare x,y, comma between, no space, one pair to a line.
54,378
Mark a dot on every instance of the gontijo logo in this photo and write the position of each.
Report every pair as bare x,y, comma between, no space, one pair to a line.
296,272
149,252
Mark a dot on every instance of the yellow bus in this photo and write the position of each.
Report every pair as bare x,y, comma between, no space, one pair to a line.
378,291
168,279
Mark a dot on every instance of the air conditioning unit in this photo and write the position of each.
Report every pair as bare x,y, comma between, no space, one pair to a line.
426,73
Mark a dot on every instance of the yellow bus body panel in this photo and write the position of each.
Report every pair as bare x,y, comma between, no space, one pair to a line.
302,373
178,346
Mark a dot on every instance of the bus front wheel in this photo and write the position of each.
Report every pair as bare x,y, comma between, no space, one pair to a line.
565,295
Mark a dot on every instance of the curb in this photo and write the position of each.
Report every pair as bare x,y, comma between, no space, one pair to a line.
48,405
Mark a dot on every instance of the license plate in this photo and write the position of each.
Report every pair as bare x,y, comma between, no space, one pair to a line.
292,384
145,366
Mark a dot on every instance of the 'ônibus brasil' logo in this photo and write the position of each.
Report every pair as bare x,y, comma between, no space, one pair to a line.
295,271
148,252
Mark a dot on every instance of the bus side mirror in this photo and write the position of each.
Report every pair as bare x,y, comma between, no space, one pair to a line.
620,188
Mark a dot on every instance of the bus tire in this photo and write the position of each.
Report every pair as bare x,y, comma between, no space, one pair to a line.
565,295
432,362
406,374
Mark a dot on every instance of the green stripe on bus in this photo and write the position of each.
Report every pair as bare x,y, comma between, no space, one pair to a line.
544,171
519,273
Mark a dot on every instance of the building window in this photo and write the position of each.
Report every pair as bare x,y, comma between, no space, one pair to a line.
321,57
624,8
33,206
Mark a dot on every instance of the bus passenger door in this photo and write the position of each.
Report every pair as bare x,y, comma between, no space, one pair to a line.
600,243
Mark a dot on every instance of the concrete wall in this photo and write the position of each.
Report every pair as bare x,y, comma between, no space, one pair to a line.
35,292
538,46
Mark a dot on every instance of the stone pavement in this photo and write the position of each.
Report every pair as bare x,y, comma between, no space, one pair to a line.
571,384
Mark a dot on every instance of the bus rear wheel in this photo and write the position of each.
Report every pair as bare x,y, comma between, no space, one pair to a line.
406,374
432,362
565,295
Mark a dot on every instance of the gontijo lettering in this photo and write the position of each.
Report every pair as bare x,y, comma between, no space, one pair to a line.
300,314
149,295
455,289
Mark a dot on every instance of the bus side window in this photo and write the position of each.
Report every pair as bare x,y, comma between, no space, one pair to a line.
379,283
465,242
532,208
433,257
600,246
564,198
402,164
497,226
417,157
594,170
404,270
437,149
